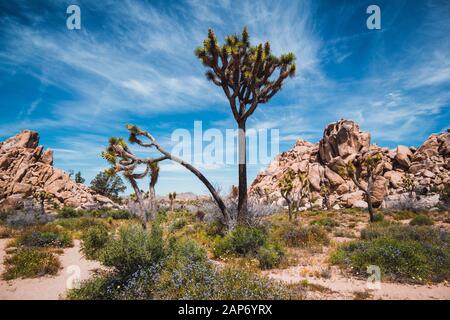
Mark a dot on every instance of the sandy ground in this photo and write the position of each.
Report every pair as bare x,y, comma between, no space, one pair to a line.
345,287
333,283
48,287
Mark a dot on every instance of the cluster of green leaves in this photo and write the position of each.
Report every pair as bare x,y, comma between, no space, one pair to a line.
250,242
295,235
94,240
403,252
179,223
30,263
79,224
44,236
421,220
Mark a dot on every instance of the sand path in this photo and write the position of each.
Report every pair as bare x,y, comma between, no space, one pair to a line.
48,287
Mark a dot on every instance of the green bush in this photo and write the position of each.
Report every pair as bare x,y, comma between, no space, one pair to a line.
423,234
421,220
404,215
185,274
29,263
79,224
403,253
134,248
326,222
69,212
307,236
179,223
94,240
46,236
378,216
270,256
241,241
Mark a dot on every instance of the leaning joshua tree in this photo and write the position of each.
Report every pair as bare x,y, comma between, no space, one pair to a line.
363,169
123,159
249,76
286,185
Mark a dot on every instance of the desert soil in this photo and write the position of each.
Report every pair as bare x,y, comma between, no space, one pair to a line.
332,283
47,287
325,282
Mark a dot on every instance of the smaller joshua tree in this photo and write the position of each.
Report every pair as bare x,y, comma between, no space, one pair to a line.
122,159
172,197
408,185
305,190
41,197
286,185
325,193
363,169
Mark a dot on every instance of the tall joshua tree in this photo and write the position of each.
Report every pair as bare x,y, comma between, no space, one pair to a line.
365,169
249,76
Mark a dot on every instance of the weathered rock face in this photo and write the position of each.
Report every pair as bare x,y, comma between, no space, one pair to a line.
343,141
26,168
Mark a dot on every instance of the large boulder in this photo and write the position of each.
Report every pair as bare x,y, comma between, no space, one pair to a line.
26,168
341,139
403,156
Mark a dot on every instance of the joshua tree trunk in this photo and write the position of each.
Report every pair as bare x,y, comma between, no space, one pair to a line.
289,204
242,200
367,191
142,212
151,193
369,197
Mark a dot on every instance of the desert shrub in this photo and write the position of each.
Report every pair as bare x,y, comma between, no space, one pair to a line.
326,222
94,240
403,252
23,219
79,224
241,241
29,263
179,223
184,273
398,260
3,216
423,234
270,256
303,236
378,216
421,220
120,214
69,212
116,214
404,215
45,236
135,248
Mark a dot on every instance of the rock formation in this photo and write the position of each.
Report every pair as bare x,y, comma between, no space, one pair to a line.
343,141
25,168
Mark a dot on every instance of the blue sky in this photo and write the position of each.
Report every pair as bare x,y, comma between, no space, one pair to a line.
133,61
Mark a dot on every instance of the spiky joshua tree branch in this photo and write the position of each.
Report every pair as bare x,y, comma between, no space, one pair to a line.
123,159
